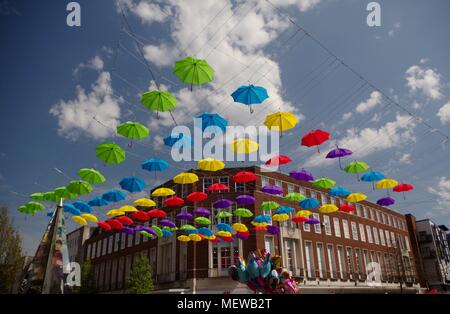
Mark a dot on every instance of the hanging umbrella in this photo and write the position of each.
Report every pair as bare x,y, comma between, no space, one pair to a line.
261,228
196,197
242,200
98,202
83,207
224,227
156,213
64,193
315,138
128,209
212,120
244,177
110,153
27,210
68,208
89,217
324,183
346,208
201,211
284,210
147,234
269,205
272,189
91,175
280,217
303,213
184,216
114,196
185,178
159,101
250,95
244,146
155,165
239,227
339,153
140,215
195,237
115,213
402,188
243,212
163,192
356,197
222,203
35,206
294,197
206,232
372,176
261,220
132,184
356,167
312,221
328,208
50,197
386,184
278,160
188,227
125,220
167,223
157,231
202,221
337,191
104,226
178,140
37,196
173,201
79,220
193,71
309,203
210,164
301,175
386,201
216,187
273,230
166,233
223,214
115,224
144,202
133,131
183,238
300,219
282,121
127,230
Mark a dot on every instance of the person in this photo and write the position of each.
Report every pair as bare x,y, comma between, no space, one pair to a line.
289,286
57,268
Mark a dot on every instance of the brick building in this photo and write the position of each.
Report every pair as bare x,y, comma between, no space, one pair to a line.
331,256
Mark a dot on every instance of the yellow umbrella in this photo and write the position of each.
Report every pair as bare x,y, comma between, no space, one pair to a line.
328,208
244,146
128,209
224,234
195,237
114,213
211,164
90,217
386,184
184,238
280,217
303,213
185,178
144,202
281,120
79,220
240,227
356,197
163,192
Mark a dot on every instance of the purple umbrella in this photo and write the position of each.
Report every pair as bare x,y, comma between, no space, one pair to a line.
223,203
202,211
338,153
139,228
149,230
312,221
272,189
273,229
386,201
241,236
184,216
167,223
245,200
301,175
127,230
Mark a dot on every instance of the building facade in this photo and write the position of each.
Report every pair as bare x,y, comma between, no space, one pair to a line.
332,255
75,243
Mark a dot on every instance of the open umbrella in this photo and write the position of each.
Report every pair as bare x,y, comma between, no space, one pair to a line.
173,201
340,192
242,200
89,217
386,184
294,197
300,219
223,214
155,165
114,196
261,220
202,221
309,203
239,227
91,175
211,164
282,121
125,220
339,153
156,213
312,221
110,153
63,193
284,210
128,209
115,213
386,201
216,187
269,205
98,202
68,208
185,178
184,216
224,227
356,197
79,220
132,184
178,140
188,227
115,224
328,208
140,215
167,223
244,177
144,202
356,167
50,197
243,212
250,95
157,231
196,197
346,208
272,189
402,188
222,203
83,207
127,230
193,71
244,146
324,183
37,196
280,217
372,176
301,175
104,226
278,160
159,101
201,211
183,238
212,120
303,213
163,192
133,131
315,138
34,207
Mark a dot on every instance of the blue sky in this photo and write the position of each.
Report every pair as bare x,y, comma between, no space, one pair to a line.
54,78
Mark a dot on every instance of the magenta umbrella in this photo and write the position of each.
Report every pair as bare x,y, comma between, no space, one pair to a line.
245,200
272,189
301,175
339,153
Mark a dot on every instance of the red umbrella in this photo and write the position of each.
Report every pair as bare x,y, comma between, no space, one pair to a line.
104,226
244,176
156,213
346,208
260,228
125,220
246,233
140,215
196,197
173,201
403,188
299,219
227,239
278,160
217,187
115,224
215,240
315,138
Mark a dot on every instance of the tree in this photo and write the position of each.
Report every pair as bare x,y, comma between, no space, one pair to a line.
140,281
87,279
11,259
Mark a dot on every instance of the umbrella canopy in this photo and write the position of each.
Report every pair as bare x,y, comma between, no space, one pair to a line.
163,192
223,214
269,205
125,220
222,203
115,213
91,175
83,207
273,230
356,197
79,220
346,208
167,223
37,196
185,178
278,160
133,130
189,227
303,213
244,146
195,237
140,215
244,177
372,176
272,189
386,201
261,220
202,221
201,211
402,188
196,197
356,167
211,164
155,165
33,207
282,121
156,213
300,219
339,153
173,201
245,200
315,138
243,212
104,226
178,140
294,197
64,193
193,71
110,153
115,224
284,210
224,227
159,101
250,95
324,183
68,208
301,175
128,209
309,203
157,231
212,120
183,238
98,202
127,230
144,202
312,221
132,184
167,233
239,227
206,232
328,208
217,187
90,217
386,184
337,191
184,216
280,217
50,197
114,196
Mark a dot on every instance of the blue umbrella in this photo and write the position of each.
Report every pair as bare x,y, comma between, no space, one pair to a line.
166,233
309,203
249,95
50,213
372,176
212,120
262,219
98,201
114,196
72,210
132,184
155,165
336,191
83,206
205,232
284,210
193,231
224,227
178,139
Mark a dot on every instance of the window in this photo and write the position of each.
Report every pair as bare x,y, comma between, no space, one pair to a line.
239,187
354,230
323,198
306,227
302,190
407,243
388,238
313,194
383,216
333,200
290,188
362,233
369,234
375,235
327,225
394,243
366,257
349,257
264,181
365,212
378,216
341,264
309,259
223,180
268,244
289,254
372,215
337,227
383,242
206,183
331,261
278,183
358,262
320,260
345,228
317,228
358,210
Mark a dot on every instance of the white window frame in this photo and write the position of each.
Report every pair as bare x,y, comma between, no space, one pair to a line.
382,239
337,227
346,229
375,235
317,227
327,224
369,234
362,232
354,230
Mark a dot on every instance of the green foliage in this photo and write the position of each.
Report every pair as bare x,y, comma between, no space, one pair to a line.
140,281
11,259
87,279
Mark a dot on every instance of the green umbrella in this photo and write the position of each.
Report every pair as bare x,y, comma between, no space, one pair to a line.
35,206
145,233
26,210
202,221
37,196
294,197
50,197
193,71
110,153
91,175
159,101
269,205
243,212
79,187
324,183
356,167
157,230
223,214
133,130
63,192
187,227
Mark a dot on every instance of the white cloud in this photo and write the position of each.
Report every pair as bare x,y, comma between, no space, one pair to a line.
442,191
161,55
405,158
95,63
373,101
75,117
147,11
444,113
392,31
426,80
303,5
